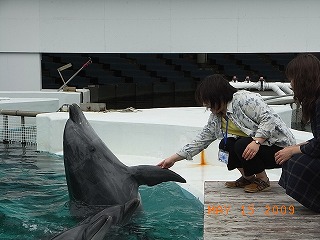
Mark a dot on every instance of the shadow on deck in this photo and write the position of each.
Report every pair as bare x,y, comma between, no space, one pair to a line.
234,214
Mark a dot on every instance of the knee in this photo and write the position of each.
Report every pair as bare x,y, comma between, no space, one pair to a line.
241,144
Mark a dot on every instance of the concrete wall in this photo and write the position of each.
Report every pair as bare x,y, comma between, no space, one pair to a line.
159,26
19,71
31,27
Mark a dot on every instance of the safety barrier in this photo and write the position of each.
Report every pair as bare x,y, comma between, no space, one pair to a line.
13,130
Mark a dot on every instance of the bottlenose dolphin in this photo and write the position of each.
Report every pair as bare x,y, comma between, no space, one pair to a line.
96,227
96,178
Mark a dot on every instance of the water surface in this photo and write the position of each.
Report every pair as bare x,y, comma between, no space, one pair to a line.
34,202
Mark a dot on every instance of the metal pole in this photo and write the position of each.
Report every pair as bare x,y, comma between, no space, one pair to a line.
6,129
84,65
23,130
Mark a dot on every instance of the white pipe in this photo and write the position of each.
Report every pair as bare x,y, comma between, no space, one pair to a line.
285,87
280,100
274,87
257,85
245,85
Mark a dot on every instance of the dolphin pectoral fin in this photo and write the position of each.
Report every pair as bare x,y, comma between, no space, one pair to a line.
101,230
151,175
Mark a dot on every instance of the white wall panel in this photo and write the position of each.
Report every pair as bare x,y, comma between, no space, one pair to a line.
138,9
138,26
204,35
159,26
31,27
18,37
136,35
72,35
204,9
72,9
72,26
19,26
20,71
261,36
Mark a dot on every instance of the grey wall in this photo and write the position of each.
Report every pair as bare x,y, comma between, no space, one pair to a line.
20,72
36,26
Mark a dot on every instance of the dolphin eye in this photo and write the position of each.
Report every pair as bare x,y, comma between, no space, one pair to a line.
92,149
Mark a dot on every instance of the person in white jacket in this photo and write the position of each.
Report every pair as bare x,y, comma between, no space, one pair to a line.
251,133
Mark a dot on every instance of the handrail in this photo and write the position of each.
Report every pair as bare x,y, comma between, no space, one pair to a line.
20,113
24,129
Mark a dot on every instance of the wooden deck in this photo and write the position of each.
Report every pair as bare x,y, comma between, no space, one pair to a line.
234,214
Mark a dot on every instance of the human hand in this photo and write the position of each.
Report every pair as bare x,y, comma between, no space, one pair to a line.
170,161
283,155
167,163
250,151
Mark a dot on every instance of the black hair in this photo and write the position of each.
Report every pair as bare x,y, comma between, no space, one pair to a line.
304,73
214,90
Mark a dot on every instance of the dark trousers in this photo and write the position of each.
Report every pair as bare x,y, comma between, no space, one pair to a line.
264,159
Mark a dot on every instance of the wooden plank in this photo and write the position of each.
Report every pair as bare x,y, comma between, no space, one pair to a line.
235,214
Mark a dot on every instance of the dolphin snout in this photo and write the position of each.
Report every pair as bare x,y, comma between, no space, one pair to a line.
75,113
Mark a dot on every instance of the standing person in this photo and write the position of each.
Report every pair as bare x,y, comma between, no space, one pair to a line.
252,133
301,163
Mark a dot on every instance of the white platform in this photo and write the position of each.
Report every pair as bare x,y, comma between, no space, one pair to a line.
150,135
80,96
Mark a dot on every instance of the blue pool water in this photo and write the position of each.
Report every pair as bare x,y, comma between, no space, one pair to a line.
34,202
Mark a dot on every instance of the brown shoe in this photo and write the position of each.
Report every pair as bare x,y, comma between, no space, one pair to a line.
258,185
239,183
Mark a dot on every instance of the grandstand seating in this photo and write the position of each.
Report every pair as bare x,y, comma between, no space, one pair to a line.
145,80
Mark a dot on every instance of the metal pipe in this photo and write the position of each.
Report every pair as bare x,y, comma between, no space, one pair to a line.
84,65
